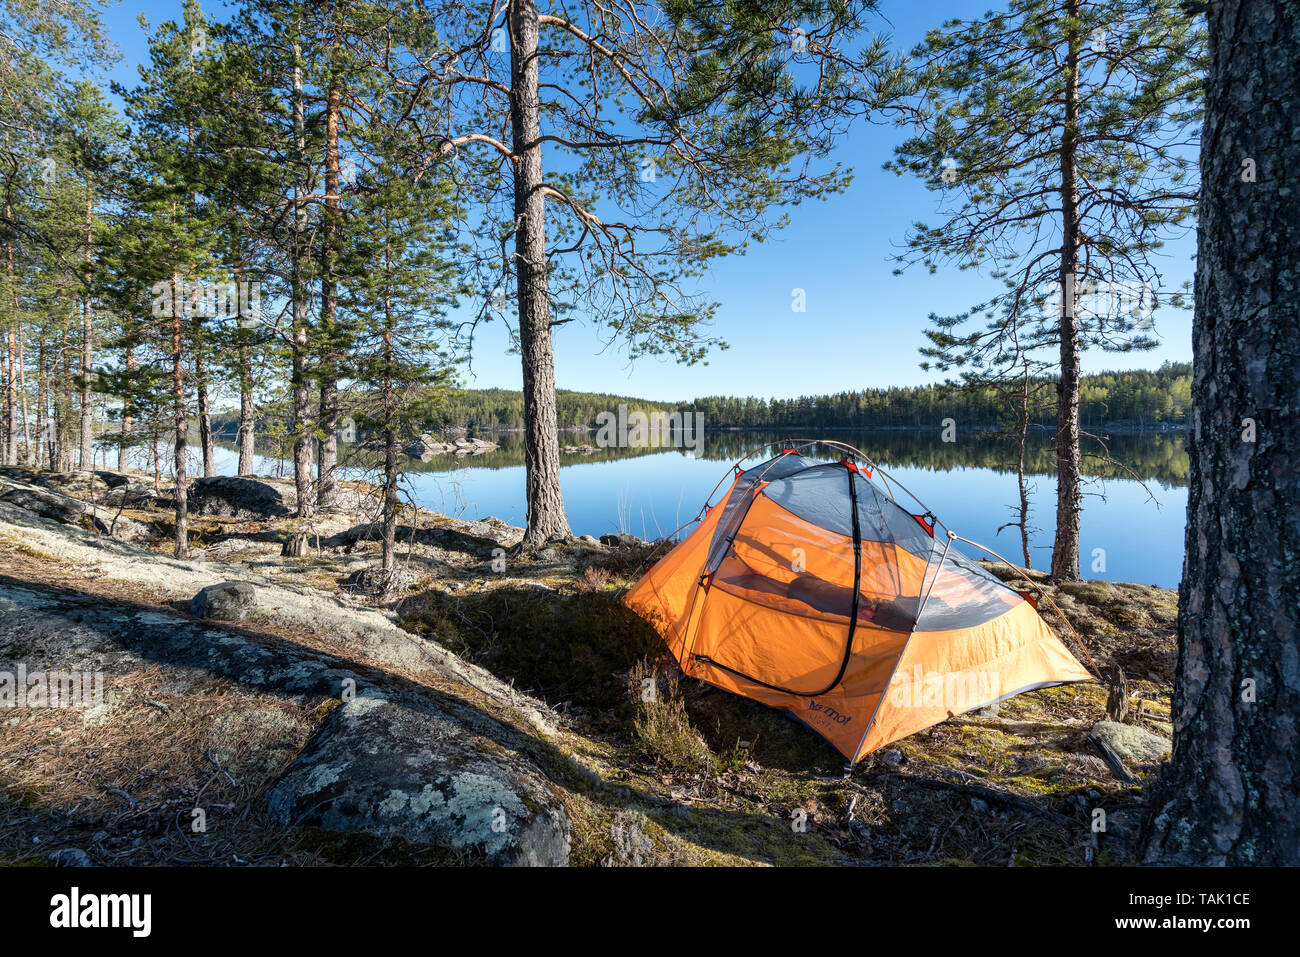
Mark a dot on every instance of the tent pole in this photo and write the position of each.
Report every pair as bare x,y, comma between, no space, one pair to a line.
902,652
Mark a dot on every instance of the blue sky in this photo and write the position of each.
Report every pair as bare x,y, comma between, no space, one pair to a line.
863,324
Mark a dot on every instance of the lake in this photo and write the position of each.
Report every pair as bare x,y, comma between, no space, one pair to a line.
1133,516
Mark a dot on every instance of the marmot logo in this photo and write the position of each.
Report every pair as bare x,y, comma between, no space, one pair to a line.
829,712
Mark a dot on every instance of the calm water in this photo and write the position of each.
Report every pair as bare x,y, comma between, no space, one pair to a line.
1134,507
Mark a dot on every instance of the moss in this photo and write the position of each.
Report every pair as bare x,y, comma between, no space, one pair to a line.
1088,592
562,647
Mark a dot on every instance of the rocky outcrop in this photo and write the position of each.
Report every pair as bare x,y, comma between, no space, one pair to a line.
396,758
243,498
101,488
479,538
51,505
66,510
435,750
428,446
395,769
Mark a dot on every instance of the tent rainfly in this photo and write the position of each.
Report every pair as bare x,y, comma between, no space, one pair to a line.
810,589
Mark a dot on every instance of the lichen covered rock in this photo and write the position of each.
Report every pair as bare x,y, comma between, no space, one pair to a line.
409,770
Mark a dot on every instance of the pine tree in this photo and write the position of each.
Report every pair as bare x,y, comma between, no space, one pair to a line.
168,227
1057,133
671,139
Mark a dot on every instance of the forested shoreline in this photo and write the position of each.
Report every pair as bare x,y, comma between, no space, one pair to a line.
1132,401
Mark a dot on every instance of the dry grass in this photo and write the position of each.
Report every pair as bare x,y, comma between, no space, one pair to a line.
662,728
592,580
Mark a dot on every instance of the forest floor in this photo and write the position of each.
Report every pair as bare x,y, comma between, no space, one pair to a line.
696,776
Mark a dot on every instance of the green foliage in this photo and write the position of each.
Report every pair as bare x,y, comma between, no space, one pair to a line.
1137,397
993,130
662,729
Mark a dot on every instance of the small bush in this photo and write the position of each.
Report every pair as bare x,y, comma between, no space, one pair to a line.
662,729
592,581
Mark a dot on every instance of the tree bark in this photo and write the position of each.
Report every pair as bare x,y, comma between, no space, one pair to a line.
86,454
1022,482
247,438
128,424
327,469
1069,471
1231,792
247,413
42,398
10,442
201,388
30,452
182,423
546,516
300,374
62,395
10,412
389,556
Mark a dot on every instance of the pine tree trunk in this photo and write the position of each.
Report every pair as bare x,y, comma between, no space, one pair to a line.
327,487
86,454
63,400
389,561
1069,472
1231,793
327,470
182,423
1022,482
300,374
201,387
30,451
247,413
11,427
10,442
546,516
247,438
128,424
42,399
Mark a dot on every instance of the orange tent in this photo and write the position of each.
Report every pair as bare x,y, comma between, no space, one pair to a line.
810,589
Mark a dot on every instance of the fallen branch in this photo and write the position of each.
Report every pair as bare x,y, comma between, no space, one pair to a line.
985,793
1112,759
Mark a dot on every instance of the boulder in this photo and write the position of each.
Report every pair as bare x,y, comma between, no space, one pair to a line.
243,498
620,539
428,446
71,857
1131,742
124,490
228,601
52,505
372,581
391,769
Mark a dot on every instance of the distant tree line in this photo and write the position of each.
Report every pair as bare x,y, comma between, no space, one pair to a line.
1138,398
1143,398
